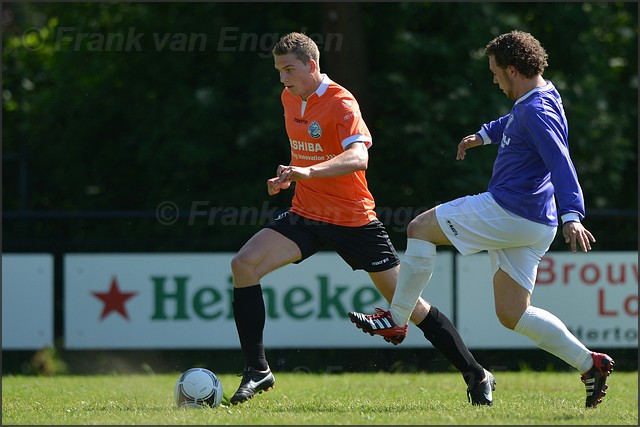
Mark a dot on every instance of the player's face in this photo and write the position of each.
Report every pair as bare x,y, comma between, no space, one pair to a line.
295,75
501,78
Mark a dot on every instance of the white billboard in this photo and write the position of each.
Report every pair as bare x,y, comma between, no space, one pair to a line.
27,301
595,294
184,300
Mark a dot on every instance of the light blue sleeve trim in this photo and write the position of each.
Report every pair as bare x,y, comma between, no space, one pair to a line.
570,217
357,138
485,138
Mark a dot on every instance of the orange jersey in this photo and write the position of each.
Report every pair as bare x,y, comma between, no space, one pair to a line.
318,130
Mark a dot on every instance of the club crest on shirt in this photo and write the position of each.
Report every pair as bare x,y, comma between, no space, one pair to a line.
315,130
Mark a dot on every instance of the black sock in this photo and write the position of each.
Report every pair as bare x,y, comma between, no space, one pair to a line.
249,314
445,338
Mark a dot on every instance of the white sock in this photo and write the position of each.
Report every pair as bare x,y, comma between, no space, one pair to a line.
550,334
415,272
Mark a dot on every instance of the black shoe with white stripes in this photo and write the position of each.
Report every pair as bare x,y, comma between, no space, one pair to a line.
595,379
380,323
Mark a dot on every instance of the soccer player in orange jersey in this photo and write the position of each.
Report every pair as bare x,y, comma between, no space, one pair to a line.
331,207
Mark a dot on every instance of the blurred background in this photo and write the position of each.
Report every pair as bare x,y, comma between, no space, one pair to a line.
152,127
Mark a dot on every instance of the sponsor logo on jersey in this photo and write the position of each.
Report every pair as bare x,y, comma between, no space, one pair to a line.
315,130
312,147
506,141
297,120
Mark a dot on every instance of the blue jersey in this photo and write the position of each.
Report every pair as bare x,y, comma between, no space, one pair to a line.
533,161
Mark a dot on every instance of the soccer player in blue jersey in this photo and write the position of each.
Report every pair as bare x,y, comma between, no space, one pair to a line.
516,220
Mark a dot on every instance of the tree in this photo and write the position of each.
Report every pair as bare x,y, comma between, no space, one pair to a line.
125,106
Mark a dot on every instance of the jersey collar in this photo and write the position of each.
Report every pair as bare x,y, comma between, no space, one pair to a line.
534,90
322,88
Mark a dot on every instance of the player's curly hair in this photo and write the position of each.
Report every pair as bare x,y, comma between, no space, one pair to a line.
520,50
301,45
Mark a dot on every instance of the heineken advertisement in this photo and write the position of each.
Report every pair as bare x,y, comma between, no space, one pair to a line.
164,301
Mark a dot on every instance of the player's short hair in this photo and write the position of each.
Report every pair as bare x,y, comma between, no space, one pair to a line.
301,45
520,50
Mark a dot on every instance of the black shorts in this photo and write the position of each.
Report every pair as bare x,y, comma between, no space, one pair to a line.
365,248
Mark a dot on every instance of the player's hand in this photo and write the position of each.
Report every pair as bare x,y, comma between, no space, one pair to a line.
575,234
467,142
274,185
282,181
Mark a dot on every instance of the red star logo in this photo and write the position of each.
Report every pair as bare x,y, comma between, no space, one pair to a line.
114,300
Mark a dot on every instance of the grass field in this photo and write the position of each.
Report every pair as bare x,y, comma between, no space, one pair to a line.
543,398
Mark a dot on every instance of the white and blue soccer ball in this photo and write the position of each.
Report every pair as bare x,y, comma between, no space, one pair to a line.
198,388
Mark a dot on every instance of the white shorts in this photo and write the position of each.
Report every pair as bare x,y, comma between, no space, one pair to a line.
515,244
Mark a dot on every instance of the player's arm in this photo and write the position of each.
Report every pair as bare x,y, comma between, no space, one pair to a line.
554,152
354,158
488,133
467,142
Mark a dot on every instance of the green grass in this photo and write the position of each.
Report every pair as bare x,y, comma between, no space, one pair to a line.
544,398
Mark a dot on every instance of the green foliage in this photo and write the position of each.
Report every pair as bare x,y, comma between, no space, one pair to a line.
533,398
121,106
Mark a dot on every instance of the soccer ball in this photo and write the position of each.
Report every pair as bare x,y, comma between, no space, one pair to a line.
198,388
